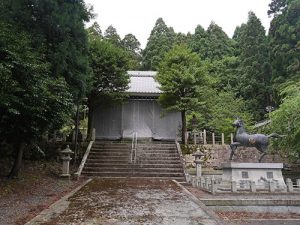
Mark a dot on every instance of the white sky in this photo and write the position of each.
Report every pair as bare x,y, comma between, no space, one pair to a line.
138,16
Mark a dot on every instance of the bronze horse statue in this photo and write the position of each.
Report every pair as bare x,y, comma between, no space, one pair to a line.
242,138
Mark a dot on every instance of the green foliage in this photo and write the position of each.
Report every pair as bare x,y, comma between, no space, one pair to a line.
112,36
109,66
255,73
199,42
286,120
182,78
284,42
94,31
222,108
133,47
43,65
28,93
225,73
212,44
219,44
160,41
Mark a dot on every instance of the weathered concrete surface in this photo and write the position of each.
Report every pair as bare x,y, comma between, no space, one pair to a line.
252,208
127,202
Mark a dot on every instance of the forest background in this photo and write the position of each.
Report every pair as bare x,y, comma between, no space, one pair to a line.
50,63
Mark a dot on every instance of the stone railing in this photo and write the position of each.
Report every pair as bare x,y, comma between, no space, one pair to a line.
205,138
215,185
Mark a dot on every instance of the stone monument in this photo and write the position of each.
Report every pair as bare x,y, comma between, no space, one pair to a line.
252,176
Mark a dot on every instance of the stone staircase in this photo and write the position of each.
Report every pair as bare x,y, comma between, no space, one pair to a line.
154,160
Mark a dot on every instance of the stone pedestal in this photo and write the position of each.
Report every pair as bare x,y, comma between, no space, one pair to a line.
263,174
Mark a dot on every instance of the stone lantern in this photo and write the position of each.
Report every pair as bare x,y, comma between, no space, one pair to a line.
66,158
198,162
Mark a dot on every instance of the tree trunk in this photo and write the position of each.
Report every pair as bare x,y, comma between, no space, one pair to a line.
90,124
183,119
18,160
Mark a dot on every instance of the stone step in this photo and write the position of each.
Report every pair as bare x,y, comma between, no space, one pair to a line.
179,178
106,152
126,165
111,149
110,161
100,156
133,170
133,174
92,153
158,157
155,154
142,159
157,147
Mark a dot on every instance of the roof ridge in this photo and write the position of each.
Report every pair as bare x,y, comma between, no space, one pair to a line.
137,73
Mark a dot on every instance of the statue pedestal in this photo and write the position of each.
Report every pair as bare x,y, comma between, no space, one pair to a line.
245,174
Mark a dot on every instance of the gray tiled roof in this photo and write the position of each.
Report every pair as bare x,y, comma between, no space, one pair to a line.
143,82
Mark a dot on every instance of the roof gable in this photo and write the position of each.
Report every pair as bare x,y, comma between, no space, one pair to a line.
143,83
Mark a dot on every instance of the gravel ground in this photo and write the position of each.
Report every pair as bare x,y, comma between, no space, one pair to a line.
38,187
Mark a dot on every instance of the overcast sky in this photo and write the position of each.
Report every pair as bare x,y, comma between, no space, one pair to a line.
138,16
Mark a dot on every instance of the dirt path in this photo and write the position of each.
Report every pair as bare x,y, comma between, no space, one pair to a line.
127,202
38,186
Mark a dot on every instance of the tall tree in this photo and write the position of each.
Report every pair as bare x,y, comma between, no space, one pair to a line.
286,119
109,65
31,101
181,78
255,72
199,42
94,30
213,44
219,43
284,36
160,41
44,56
112,36
133,47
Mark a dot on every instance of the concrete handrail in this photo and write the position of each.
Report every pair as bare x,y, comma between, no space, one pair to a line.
181,158
133,148
86,154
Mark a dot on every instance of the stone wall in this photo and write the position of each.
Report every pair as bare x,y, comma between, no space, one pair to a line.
218,154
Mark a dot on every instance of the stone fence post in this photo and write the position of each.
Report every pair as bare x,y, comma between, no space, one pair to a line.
252,186
233,186
298,183
289,185
213,139
231,138
204,137
223,139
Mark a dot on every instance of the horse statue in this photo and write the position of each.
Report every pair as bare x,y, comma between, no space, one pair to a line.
242,138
